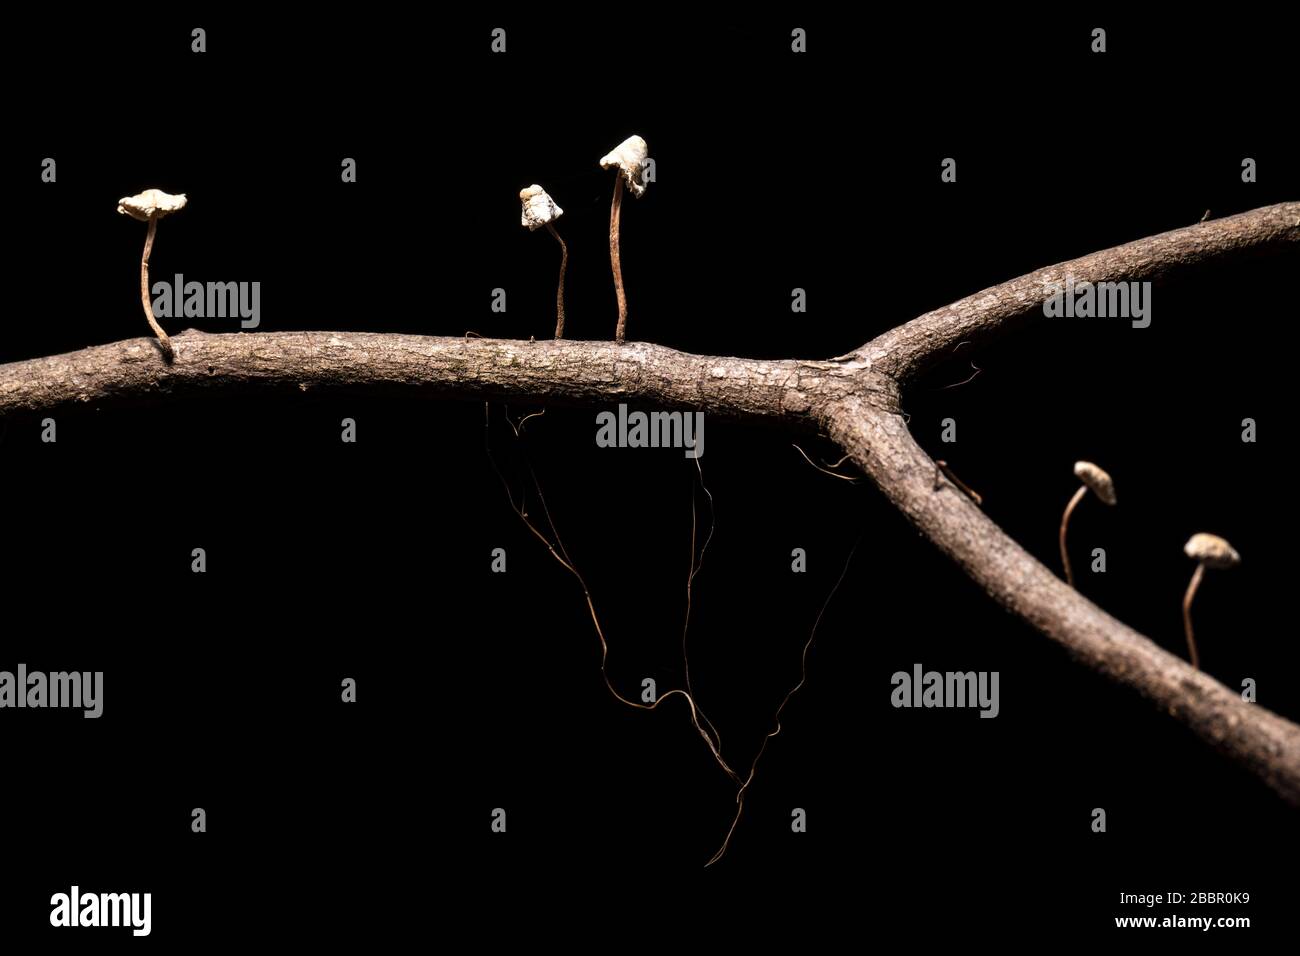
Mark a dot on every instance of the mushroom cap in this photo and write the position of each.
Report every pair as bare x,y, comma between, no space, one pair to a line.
629,156
539,207
1096,479
151,202
1212,551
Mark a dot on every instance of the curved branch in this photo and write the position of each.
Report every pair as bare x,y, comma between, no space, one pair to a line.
855,397
565,372
904,351
882,447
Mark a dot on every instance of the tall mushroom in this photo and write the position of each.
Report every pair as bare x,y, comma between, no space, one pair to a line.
540,210
150,206
629,158
1099,482
1209,551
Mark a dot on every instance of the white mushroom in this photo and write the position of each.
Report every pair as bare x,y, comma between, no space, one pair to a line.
1214,551
150,206
152,203
541,210
1096,480
1209,551
629,158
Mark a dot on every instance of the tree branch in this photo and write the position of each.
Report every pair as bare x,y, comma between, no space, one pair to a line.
854,397
904,351
882,447
565,372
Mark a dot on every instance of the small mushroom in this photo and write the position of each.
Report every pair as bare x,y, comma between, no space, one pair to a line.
1096,480
150,206
1209,551
540,210
628,157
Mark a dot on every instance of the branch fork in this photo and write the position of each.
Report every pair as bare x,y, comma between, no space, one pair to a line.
853,399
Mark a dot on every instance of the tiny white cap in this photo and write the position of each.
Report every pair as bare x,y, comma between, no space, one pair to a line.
1096,479
629,156
1212,550
153,202
539,207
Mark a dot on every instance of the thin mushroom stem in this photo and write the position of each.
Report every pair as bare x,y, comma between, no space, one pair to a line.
1065,524
1187,613
163,340
559,294
614,210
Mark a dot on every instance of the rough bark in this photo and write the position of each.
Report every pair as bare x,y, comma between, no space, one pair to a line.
855,398
908,349
882,447
563,372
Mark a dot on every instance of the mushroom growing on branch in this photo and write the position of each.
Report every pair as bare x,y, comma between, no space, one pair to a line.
540,210
1099,482
628,157
1209,551
150,206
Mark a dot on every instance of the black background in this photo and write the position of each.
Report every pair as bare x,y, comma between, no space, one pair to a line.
371,560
